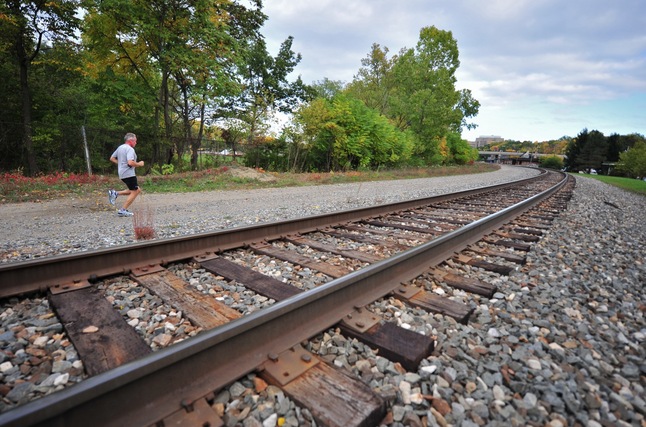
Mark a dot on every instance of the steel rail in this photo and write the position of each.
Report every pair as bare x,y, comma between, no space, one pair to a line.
39,275
144,391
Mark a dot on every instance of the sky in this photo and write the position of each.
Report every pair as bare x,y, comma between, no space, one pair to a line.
541,69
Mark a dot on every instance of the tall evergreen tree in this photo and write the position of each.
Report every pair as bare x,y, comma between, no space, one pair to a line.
573,150
587,151
593,153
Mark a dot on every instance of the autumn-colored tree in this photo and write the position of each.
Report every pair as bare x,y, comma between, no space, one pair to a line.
183,51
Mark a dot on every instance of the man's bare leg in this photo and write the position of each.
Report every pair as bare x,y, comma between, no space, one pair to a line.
132,195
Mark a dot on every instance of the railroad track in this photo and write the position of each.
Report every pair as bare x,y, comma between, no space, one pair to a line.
405,250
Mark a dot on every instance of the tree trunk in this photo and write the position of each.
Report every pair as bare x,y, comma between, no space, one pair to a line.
24,62
197,142
168,124
26,122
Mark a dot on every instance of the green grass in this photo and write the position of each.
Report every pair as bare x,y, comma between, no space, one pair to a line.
633,185
15,187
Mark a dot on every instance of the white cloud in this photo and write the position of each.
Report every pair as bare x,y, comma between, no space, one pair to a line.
539,68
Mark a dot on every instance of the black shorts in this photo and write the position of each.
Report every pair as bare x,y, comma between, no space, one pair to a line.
131,182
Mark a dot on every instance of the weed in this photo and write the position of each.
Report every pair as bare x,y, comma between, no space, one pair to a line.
143,221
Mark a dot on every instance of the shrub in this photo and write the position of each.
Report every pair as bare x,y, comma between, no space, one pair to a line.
551,162
167,169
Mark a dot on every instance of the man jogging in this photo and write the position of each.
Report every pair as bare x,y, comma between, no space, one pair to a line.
126,160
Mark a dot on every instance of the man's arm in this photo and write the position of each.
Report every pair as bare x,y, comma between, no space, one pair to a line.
114,160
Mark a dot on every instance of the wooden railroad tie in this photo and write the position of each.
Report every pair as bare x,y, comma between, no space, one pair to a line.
525,247
348,253
509,256
517,236
390,233
333,397
418,297
202,310
101,336
401,345
485,265
389,224
362,238
290,256
468,284
426,224
528,230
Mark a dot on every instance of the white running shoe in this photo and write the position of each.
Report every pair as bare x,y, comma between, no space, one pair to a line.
112,196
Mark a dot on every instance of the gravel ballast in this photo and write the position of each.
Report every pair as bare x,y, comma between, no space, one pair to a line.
562,343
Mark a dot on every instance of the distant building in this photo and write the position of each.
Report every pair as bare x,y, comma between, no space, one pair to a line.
481,141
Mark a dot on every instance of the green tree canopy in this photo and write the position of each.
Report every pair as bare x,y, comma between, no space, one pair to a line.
25,28
633,161
460,152
374,83
183,52
265,88
416,90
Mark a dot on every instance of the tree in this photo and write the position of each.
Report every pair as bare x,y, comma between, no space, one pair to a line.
374,83
551,162
466,107
589,150
183,51
460,151
633,161
11,148
573,150
264,86
27,26
327,88
233,133
59,86
593,152
416,90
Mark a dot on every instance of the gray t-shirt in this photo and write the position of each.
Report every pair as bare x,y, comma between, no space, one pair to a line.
124,153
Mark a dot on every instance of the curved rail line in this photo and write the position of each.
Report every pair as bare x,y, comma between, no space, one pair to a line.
66,270
257,341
